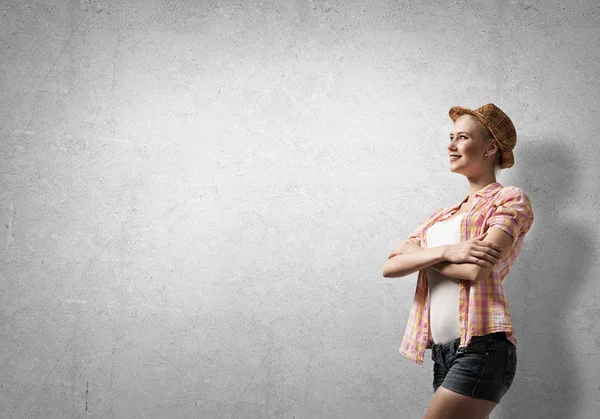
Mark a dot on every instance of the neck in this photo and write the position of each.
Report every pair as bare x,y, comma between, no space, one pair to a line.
478,183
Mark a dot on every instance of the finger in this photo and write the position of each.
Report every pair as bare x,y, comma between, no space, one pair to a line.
492,245
491,248
496,251
486,257
492,260
480,262
497,254
478,258
482,242
490,251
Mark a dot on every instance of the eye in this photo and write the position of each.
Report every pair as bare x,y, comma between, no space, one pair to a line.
462,136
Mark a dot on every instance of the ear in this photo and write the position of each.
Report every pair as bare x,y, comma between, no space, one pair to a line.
492,147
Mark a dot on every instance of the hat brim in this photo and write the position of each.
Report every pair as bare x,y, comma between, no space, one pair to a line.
456,112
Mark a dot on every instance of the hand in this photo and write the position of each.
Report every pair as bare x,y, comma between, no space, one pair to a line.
475,251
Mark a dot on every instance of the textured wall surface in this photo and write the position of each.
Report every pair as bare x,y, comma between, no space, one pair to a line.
198,197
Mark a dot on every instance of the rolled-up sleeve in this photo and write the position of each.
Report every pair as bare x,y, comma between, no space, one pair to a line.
514,214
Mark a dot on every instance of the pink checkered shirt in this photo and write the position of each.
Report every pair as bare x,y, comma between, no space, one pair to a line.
483,307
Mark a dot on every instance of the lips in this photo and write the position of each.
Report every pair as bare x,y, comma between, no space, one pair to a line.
454,157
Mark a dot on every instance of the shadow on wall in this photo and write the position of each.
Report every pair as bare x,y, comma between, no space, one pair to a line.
554,267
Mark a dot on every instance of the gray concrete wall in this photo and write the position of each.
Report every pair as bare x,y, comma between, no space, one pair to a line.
197,199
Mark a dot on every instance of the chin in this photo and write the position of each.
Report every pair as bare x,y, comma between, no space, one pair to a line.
456,170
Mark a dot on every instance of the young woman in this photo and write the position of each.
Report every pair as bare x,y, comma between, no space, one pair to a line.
463,253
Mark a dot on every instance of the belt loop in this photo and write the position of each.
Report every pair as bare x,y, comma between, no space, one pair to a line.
459,350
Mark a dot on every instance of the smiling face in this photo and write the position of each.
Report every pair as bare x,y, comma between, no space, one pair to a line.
470,140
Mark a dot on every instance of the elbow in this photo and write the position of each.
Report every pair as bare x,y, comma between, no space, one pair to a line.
392,271
387,271
391,275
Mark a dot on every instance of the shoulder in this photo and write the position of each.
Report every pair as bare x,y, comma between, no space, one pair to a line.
512,202
511,190
512,194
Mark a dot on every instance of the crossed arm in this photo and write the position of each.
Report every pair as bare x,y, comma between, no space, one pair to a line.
412,257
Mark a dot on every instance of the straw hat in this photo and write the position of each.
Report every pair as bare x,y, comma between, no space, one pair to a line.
499,125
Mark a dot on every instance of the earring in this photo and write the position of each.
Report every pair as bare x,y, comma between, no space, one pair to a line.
485,155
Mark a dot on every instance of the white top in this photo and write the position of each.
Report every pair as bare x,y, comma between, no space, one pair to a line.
443,290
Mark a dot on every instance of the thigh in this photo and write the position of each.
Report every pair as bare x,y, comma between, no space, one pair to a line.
446,404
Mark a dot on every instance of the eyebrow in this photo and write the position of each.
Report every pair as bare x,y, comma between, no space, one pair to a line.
461,132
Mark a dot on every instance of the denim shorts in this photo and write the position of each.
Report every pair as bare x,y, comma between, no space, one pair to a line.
484,369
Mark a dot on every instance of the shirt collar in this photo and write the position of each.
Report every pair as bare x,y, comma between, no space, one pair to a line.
488,190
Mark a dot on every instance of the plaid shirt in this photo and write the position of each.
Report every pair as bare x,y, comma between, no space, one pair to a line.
483,307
